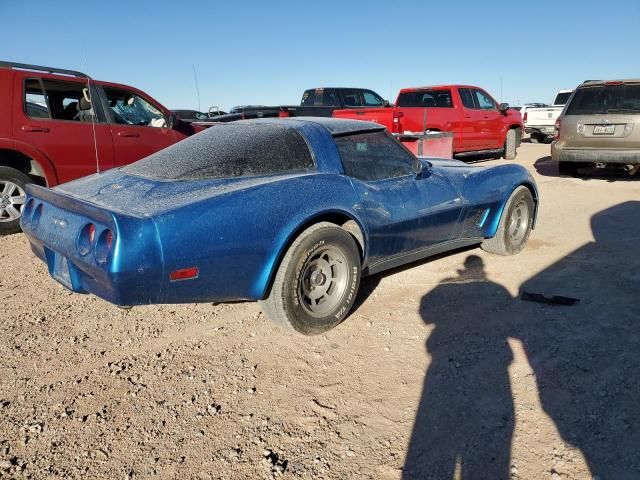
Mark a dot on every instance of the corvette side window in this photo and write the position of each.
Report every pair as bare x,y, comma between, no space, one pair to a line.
373,156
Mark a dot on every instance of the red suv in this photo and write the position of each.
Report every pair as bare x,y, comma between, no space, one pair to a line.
58,125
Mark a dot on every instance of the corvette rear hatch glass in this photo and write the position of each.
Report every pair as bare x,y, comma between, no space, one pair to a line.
230,150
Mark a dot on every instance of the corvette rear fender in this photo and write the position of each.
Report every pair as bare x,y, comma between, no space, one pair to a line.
341,218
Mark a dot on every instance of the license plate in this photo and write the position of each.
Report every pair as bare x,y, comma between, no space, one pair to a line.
604,129
61,271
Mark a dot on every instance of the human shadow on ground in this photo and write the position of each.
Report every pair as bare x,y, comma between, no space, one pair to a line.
466,413
547,167
586,360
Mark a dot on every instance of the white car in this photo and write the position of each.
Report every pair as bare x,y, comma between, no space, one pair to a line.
540,123
523,108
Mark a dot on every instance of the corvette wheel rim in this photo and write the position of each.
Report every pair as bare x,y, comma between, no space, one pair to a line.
519,223
12,198
323,281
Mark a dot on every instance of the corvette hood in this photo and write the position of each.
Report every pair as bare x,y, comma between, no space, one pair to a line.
117,191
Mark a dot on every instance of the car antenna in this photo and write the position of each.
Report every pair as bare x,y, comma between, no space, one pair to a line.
195,78
89,99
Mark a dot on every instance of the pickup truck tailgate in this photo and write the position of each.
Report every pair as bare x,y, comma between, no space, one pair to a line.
383,116
537,117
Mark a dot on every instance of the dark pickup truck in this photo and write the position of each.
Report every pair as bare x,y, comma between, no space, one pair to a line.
316,102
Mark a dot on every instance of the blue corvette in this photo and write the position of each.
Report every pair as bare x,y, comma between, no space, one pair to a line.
290,212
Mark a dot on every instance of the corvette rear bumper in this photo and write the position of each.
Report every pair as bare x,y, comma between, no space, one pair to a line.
119,288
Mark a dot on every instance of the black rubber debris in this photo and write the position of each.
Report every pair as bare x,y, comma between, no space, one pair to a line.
555,300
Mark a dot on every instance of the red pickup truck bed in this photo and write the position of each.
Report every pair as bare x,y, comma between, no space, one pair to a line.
477,121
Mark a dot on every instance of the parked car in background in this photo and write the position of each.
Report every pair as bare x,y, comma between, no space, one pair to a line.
600,127
315,102
301,210
196,115
190,115
523,109
478,123
58,125
539,122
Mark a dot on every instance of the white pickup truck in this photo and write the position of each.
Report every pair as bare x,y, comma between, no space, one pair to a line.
540,123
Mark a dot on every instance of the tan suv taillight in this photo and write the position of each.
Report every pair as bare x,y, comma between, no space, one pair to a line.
557,132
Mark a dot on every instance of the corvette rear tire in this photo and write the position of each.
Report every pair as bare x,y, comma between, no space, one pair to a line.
316,282
510,145
12,198
515,225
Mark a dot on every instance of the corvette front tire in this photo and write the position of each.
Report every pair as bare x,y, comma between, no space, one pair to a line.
316,282
515,225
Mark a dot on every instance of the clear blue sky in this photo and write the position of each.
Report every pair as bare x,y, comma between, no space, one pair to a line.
268,52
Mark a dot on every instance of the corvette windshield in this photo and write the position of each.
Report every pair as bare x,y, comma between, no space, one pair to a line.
234,150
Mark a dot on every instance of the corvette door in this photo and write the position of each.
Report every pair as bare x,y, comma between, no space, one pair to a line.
401,209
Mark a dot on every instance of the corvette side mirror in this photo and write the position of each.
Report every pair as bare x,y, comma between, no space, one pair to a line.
386,103
504,107
418,168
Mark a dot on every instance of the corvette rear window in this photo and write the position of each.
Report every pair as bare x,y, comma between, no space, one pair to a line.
233,150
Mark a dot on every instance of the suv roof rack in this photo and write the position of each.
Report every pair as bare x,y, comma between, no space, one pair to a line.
26,66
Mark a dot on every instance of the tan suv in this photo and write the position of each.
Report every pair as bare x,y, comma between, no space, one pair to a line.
600,126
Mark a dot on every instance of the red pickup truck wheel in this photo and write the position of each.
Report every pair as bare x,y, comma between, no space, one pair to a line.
510,145
12,197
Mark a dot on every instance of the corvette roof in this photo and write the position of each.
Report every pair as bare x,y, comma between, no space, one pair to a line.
335,126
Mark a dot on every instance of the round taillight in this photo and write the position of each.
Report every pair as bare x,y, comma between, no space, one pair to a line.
86,239
104,245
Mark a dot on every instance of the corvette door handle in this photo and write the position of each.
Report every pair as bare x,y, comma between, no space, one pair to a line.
128,134
34,128
467,116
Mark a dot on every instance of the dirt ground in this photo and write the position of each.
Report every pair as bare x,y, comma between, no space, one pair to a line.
441,372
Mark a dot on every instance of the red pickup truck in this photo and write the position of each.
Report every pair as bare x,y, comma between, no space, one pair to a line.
58,125
479,124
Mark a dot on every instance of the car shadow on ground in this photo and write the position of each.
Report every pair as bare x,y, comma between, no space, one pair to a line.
478,157
528,140
370,283
585,359
547,167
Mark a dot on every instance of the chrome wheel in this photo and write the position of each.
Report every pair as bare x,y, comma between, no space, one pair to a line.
323,281
519,222
12,198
